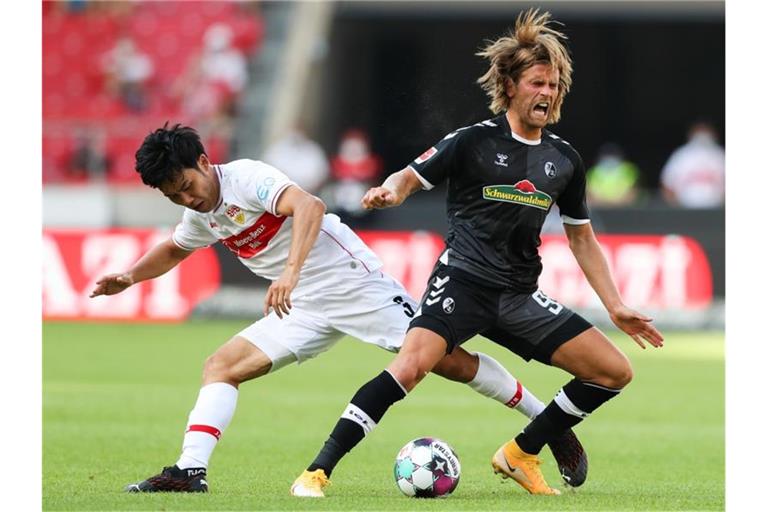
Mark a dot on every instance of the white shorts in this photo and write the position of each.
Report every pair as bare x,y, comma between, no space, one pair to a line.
373,308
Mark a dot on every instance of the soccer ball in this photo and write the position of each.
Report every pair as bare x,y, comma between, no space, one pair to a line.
427,468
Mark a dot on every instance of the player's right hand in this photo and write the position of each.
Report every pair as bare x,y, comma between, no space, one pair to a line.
111,284
379,197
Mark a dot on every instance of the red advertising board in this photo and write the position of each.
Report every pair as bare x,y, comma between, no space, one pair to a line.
74,259
661,272
651,271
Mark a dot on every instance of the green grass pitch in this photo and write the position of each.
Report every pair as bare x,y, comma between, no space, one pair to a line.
116,399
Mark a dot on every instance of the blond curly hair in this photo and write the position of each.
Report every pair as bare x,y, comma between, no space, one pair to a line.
532,42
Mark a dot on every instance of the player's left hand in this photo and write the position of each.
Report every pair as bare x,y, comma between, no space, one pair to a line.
637,326
279,293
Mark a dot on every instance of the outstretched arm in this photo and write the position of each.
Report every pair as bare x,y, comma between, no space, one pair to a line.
585,248
156,262
307,212
395,189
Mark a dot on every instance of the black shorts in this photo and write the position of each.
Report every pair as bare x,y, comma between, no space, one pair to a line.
457,307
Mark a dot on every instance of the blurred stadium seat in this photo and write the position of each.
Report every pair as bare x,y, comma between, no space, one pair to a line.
74,93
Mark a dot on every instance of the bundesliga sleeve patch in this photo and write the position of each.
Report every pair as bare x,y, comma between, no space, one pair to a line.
426,155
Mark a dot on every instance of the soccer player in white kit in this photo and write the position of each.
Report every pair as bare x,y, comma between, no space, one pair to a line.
326,283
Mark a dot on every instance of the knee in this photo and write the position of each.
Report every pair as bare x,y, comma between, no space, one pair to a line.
215,369
618,376
405,373
407,370
626,375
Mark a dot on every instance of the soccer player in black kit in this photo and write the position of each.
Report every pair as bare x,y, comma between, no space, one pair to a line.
503,176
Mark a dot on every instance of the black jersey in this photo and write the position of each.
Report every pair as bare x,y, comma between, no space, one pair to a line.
500,188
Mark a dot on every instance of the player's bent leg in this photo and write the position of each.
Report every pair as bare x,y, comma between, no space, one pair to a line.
488,377
235,362
601,370
592,357
494,381
458,366
422,350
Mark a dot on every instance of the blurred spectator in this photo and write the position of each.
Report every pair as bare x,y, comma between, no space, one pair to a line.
301,159
210,87
613,179
128,71
694,175
89,160
355,161
354,169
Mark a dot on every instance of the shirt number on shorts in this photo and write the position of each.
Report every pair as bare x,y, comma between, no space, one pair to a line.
409,312
552,306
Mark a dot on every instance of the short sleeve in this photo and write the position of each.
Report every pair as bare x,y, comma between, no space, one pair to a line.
435,165
573,201
259,185
191,233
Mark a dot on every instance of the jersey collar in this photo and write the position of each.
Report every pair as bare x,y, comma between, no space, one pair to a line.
515,136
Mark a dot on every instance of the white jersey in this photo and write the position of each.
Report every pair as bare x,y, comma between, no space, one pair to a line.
246,222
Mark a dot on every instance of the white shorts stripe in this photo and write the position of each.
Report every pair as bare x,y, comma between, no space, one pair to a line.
356,414
567,406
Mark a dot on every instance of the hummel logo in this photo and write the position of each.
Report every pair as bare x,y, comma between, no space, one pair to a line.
501,159
213,225
439,283
434,295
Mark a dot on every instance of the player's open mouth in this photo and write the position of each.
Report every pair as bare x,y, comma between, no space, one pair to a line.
541,108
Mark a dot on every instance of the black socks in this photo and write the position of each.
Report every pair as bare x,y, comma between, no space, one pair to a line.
360,417
574,402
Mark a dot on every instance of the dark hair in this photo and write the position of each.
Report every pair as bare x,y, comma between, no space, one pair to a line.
166,152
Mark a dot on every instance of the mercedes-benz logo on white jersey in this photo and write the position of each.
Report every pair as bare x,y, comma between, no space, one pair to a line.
449,305
550,170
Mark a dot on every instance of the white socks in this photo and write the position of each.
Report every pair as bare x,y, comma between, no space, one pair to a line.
494,381
211,415
216,403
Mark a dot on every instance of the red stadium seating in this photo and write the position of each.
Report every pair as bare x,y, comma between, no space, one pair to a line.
74,92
